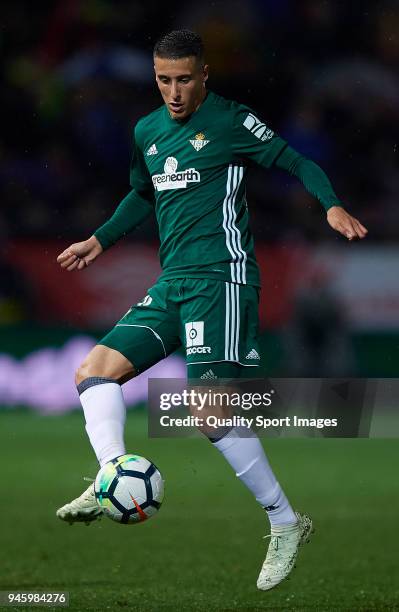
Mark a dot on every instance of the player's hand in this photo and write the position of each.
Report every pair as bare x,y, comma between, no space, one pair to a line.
344,223
80,255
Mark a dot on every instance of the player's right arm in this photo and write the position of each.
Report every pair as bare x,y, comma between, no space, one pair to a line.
131,212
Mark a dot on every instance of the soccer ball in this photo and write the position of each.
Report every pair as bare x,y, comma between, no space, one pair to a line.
129,489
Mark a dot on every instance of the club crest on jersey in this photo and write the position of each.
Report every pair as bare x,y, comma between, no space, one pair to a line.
199,141
171,179
258,129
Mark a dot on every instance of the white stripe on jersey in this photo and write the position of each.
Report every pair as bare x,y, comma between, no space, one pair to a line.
233,236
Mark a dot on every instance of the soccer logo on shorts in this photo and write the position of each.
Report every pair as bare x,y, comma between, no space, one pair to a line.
195,338
194,333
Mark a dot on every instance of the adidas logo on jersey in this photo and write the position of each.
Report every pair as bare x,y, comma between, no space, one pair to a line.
199,141
208,375
152,150
258,129
253,354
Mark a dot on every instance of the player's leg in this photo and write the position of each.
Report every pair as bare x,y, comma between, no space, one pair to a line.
221,338
98,381
228,326
244,452
144,336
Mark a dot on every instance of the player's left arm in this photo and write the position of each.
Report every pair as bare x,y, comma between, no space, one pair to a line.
255,141
343,222
316,182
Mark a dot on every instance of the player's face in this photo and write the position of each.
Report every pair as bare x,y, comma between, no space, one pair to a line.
181,83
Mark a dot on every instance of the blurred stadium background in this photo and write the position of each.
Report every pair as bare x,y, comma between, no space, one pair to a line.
76,75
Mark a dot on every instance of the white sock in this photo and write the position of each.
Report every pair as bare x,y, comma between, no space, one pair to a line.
247,458
105,414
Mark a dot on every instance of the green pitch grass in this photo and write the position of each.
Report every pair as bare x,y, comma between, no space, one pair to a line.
204,549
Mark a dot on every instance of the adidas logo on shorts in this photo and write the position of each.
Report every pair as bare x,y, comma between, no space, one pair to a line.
208,375
253,354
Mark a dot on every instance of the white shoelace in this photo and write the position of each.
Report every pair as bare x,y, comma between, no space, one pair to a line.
273,540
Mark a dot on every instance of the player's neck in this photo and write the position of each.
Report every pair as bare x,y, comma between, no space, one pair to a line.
204,94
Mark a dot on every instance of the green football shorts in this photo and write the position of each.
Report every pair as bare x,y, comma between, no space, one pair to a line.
215,321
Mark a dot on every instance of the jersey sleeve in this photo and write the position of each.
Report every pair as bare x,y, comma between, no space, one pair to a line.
253,140
130,213
312,177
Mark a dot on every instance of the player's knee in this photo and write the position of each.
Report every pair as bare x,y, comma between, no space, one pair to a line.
85,370
93,369
101,363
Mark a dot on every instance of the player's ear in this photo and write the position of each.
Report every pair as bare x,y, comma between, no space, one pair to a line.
155,75
205,73
155,68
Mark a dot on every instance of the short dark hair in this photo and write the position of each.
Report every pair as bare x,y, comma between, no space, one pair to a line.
178,44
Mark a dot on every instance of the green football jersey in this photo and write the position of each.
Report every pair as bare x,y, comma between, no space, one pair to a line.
195,172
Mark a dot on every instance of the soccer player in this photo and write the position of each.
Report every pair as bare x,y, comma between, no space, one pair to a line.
190,161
